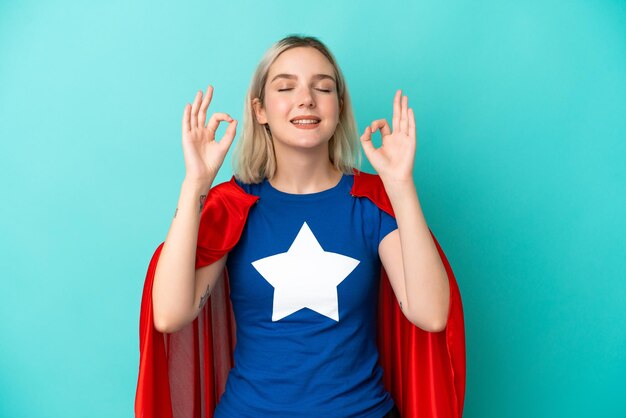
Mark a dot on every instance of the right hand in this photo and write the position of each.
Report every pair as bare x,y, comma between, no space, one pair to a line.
203,155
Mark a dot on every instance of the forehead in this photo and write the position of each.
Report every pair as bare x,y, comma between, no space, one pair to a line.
303,62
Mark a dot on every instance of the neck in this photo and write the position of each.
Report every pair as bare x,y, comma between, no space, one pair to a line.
301,172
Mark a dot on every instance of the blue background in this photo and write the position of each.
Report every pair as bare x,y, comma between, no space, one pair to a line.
519,167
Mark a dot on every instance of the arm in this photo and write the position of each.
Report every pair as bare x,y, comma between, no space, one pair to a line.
178,290
409,255
412,262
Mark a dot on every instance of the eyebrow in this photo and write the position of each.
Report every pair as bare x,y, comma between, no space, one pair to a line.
294,77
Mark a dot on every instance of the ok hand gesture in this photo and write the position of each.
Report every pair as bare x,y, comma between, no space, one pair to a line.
393,160
203,155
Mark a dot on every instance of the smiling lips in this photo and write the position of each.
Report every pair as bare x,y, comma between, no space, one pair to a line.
306,122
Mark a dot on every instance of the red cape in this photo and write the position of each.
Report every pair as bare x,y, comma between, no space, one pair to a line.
183,374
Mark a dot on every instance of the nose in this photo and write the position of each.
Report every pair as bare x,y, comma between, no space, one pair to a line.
306,99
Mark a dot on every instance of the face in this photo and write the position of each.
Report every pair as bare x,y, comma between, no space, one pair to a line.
300,83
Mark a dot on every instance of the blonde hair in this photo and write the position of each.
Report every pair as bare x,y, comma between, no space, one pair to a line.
253,156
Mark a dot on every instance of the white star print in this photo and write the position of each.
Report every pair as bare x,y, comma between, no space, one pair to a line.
305,276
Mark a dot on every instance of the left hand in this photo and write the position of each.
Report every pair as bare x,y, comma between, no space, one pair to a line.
393,160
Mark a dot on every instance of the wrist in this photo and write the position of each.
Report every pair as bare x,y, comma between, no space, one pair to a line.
201,186
395,188
193,193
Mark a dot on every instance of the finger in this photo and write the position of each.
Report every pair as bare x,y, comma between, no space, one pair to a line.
203,107
383,125
229,135
366,141
215,119
395,121
404,119
411,124
194,109
186,126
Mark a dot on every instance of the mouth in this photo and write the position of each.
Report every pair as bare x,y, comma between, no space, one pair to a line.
306,123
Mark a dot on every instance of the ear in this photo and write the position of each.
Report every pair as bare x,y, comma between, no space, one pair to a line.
259,111
340,105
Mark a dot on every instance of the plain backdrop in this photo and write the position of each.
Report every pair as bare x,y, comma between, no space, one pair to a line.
520,110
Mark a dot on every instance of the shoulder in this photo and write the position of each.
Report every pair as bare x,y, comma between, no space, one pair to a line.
224,215
367,179
371,186
228,196
232,187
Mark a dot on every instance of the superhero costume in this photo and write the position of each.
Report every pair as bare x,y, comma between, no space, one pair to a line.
184,373
304,279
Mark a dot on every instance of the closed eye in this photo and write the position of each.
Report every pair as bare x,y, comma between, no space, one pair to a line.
322,90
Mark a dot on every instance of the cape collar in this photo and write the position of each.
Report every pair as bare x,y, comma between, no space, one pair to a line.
365,185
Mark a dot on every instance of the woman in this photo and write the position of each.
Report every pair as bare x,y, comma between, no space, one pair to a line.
304,272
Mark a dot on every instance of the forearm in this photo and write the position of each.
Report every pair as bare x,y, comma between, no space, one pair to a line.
173,291
426,280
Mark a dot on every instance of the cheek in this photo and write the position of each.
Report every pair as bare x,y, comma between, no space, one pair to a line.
332,108
277,105
283,107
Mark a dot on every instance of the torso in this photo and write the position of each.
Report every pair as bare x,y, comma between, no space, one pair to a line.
304,280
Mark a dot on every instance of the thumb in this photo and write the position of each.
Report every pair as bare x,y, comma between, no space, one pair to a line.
229,135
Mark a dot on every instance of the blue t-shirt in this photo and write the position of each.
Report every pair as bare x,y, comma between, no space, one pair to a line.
304,280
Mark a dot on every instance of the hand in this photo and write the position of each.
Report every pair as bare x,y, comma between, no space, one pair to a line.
203,155
393,160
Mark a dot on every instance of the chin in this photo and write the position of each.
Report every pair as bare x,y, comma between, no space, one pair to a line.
305,141
311,142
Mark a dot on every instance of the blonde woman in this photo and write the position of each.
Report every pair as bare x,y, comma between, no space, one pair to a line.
299,238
